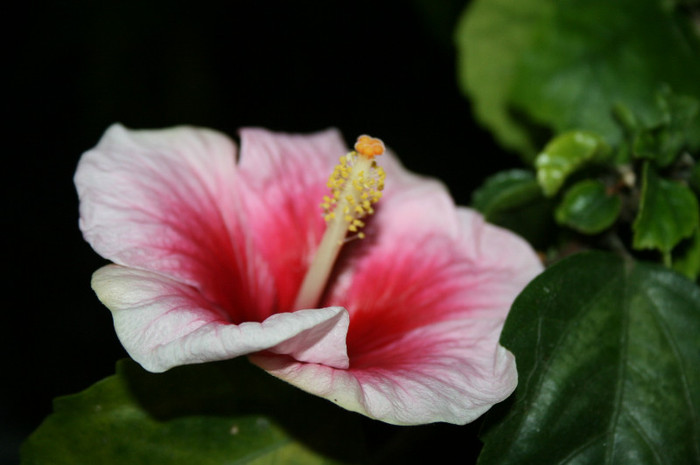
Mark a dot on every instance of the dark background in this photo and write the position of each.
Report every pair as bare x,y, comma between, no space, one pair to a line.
383,68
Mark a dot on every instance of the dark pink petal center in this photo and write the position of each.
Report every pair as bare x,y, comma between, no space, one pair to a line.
403,288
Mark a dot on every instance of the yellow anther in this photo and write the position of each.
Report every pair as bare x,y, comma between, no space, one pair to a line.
369,146
355,185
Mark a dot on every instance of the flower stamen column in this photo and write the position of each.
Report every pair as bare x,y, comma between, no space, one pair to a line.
356,185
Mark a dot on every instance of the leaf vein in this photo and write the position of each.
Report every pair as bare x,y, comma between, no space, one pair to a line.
647,440
622,366
684,379
572,324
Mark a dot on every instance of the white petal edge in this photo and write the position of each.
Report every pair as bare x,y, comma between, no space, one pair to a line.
436,389
163,323
135,186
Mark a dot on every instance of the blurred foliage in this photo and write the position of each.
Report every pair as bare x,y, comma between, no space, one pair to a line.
227,412
564,155
534,68
635,196
602,99
588,208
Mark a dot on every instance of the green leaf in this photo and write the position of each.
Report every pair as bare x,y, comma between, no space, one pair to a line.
490,38
680,117
513,199
592,54
218,413
686,257
625,118
664,141
695,177
668,213
587,207
645,144
506,190
533,221
608,360
564,155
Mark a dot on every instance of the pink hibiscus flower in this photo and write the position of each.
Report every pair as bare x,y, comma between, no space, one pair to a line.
216,257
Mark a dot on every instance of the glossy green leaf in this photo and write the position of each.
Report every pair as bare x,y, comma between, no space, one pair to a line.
506,190
592,54
607,353
668,213
588,208
490,37
564,155
219,413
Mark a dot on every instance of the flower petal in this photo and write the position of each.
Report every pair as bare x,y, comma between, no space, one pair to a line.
506,260
163,323
407,278
414,205
451,372
285,179
213,251
166,201
426,308
412,208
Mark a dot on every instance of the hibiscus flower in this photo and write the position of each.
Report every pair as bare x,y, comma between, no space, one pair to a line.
397,315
